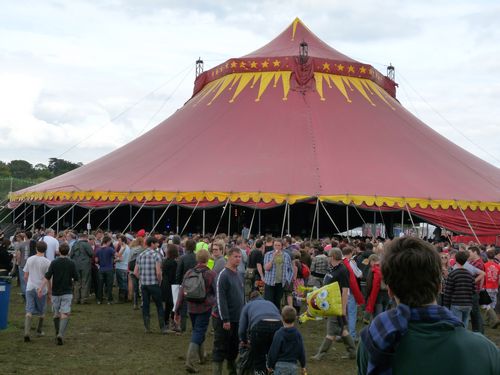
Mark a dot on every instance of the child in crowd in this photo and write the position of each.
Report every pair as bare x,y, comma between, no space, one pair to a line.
287,347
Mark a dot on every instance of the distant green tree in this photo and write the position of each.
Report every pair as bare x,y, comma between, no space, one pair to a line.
4,169
42,172
61,166
21,169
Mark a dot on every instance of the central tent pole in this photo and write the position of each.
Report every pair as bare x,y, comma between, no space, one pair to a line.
260,232
177,222
347,219
284,218
203,229
289,220
229,221
317,220
314,219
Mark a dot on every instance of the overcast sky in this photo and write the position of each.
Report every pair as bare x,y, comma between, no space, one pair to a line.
69,69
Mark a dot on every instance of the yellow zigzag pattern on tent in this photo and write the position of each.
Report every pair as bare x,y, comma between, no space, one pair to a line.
162,196
237,82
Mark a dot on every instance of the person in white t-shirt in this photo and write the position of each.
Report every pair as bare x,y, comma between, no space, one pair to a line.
52,244
34,274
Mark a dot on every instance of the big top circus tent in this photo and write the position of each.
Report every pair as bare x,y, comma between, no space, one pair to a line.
293,122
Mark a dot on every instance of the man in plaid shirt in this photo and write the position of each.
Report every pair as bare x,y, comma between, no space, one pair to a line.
148,271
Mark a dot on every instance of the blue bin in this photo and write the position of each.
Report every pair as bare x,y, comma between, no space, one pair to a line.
4,302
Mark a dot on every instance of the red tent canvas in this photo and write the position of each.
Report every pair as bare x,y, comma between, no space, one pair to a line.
272,127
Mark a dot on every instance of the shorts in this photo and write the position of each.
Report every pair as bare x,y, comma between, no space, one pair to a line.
35,305
62,304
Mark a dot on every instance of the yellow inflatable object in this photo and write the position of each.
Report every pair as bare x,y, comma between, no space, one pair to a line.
322,302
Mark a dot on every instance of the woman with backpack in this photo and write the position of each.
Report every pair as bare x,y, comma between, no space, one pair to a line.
168,269
198,290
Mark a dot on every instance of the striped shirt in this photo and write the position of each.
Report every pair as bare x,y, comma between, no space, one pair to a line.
459,288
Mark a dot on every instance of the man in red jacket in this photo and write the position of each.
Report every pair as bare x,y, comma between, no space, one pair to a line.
355,297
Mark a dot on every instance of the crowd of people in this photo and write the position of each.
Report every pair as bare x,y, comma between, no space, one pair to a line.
252,289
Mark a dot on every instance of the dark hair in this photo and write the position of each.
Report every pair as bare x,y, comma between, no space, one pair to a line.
41,246
151,240
176,240
64,249
288,314
172,251
412,269
475,249
369,246
29,235
491,253
258,244
190,246
106,239
361,246
461,257
253,295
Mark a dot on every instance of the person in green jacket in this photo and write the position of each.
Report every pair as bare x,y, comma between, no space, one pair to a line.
419,336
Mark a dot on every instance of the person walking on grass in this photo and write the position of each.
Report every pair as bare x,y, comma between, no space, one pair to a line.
104,258
148,271
62,272
198,290
36,292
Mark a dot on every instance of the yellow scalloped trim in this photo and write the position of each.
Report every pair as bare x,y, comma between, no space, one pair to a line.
111,196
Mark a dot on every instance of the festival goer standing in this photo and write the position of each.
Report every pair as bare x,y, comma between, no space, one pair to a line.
319,266
278,273
230,299
121,265
62,271
287,347
259,320
186,262
491,284
168,269
104,260
419,336
355,297
199,303
136,247
460,289
52,244
217,248
81,254
337,325
36,293
22,255
475,315
148,271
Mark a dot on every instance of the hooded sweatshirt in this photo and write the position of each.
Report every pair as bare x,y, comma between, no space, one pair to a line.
287,346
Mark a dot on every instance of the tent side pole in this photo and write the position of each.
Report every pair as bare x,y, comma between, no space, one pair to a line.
260,232
203,229
288,229
177,221
317,220
229,221
33,221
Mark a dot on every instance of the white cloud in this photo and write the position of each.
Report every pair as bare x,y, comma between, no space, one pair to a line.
68,69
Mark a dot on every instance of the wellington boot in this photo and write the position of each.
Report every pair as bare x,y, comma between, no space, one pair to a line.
147,325
324,347
349,346
192,353
217,368
202,354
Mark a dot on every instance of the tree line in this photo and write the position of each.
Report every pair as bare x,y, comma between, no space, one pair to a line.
22,169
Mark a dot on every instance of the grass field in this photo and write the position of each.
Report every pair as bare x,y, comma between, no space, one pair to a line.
109,339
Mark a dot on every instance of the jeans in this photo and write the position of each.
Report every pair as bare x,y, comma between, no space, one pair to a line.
352,314
105,277
475,315
274,294
121,279
462,313
153,291
261,338
285,368
200,325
